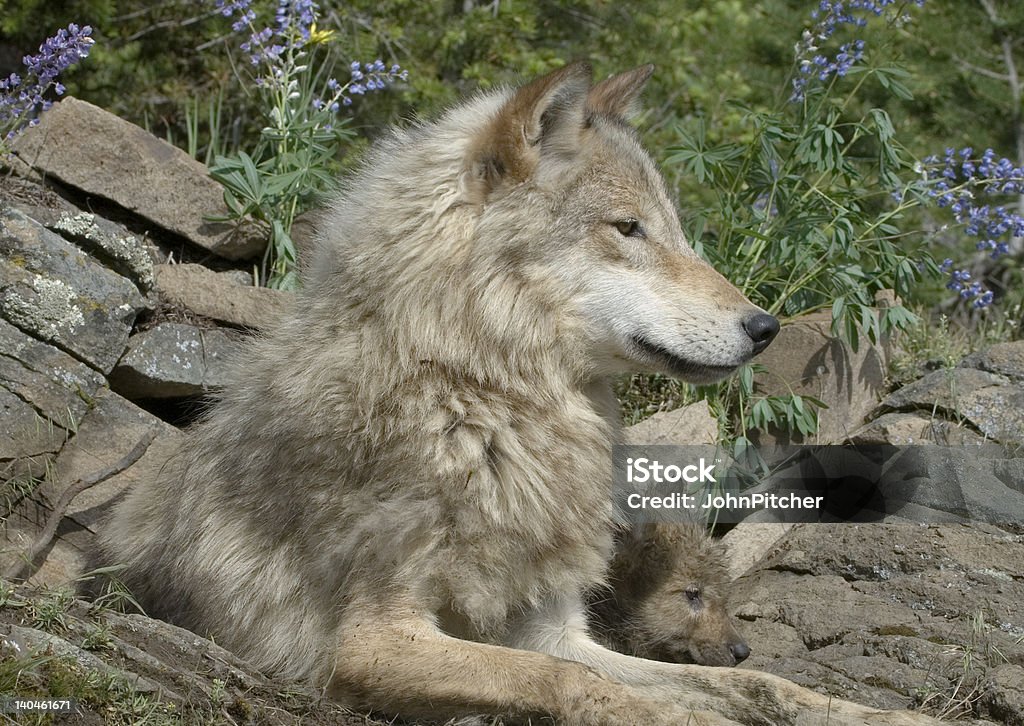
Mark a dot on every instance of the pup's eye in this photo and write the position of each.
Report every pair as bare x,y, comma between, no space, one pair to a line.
630,228
692,594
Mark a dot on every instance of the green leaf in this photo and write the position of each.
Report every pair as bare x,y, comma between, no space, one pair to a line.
747,380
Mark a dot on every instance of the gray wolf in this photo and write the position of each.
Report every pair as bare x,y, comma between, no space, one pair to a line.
403,494
669,597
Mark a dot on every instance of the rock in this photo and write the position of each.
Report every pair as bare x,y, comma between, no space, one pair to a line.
108,431
1004,694
149,670
998,412
218,295
822,609
172,360
903,429
986,400
109,242
942,389
44,394
808,360
748,542
31,640
886,614
90,149
1006,359
124,253
686,426
54,291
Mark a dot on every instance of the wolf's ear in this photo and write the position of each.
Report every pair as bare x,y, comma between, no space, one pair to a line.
545,116
619,95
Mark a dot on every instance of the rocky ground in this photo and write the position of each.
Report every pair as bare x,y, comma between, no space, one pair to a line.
119,301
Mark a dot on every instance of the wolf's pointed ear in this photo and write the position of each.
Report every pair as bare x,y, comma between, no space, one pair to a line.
545,116
619,95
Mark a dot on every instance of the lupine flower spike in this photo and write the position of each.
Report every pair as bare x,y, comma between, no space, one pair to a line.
962,182
828,18
23,97
275,51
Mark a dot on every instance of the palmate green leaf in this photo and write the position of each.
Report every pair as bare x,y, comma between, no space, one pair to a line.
869,322
897,318
700,160
252,174
883,124
239,175
747,380
276,184
891,79
838,309
282,240
906,275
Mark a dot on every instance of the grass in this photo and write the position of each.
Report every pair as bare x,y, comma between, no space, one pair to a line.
958,697
47,612
209,695
939,342
116,701
641,396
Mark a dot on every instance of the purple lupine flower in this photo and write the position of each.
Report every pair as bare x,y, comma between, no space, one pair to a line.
22,96
970,186
274,50
828,17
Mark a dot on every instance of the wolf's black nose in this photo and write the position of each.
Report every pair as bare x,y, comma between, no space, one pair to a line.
740,651
762,329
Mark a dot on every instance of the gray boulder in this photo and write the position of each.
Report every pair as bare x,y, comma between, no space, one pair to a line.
987,401
56,292
172,360
1006,359
122,251
915,428
44,393
90,149
219,295
807,359
888,614
686,426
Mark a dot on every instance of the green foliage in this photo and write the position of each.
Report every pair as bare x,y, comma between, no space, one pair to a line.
802,218
292,161
47,612
790,201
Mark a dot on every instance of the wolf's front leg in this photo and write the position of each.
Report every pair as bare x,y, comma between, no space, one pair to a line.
396,660
750,697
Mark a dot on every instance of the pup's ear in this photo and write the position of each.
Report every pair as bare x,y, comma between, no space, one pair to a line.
545,116
619,95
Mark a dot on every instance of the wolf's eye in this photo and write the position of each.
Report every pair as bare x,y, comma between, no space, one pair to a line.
630,228
692,594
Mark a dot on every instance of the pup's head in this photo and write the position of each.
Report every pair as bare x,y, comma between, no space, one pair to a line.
560,165
672,587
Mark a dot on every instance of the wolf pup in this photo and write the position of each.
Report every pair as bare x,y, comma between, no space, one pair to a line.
403,493
669,596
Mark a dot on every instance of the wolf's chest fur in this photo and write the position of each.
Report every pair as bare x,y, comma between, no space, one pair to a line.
524,511
530,509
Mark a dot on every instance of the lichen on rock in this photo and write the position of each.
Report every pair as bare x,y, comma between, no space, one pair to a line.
51,310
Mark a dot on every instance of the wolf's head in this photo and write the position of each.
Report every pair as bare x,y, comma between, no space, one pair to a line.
570,200
671,590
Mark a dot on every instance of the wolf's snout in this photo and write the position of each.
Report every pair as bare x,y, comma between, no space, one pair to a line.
740,651
762,329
